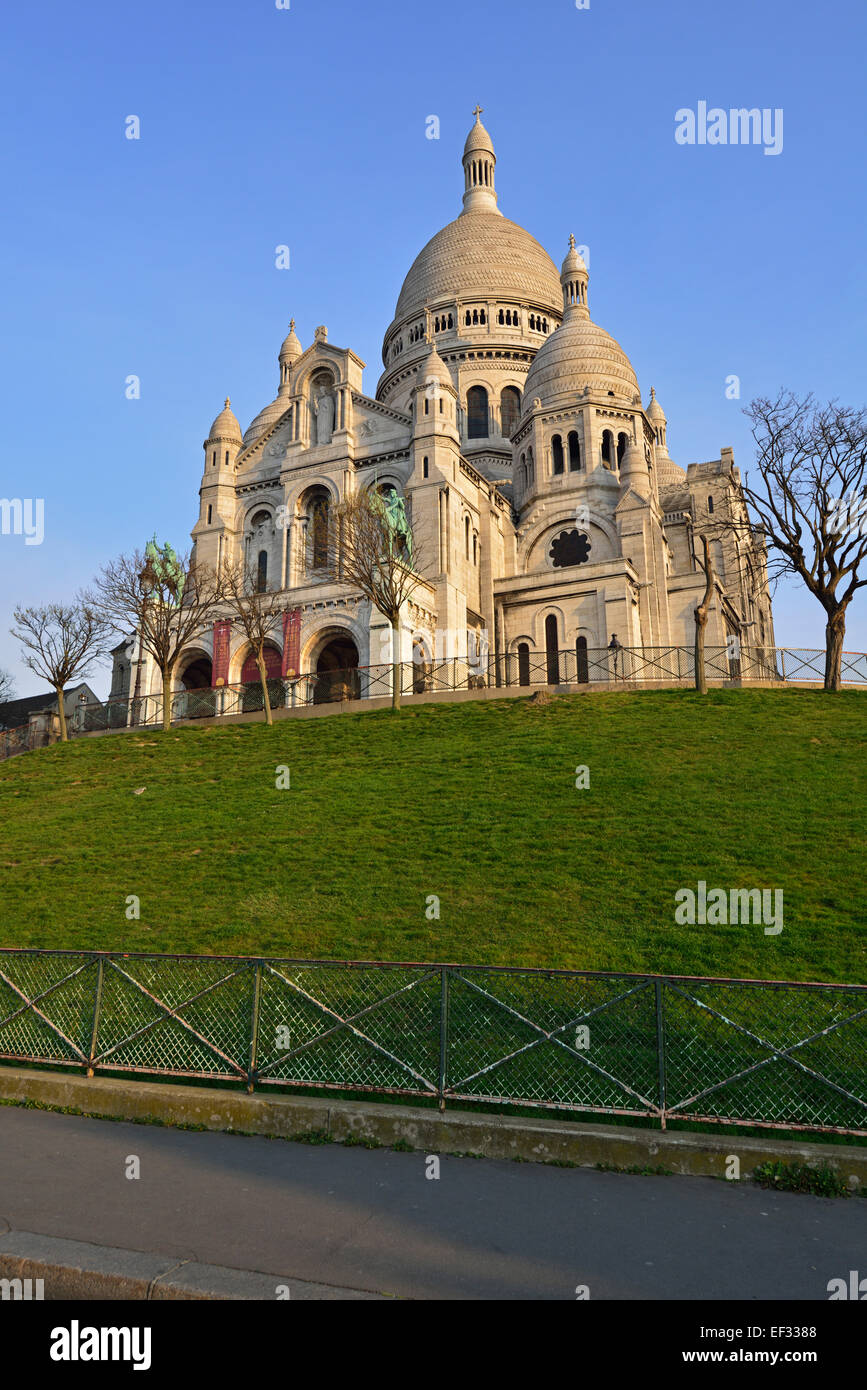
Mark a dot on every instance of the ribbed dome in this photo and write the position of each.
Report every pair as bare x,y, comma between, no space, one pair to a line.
433,368
578,354
264,419
226,425
291,349
654,410
481,255
478,139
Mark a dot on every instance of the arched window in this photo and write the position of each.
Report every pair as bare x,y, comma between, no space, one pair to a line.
533,321
475,549
318,520
622,443
557,453
477,413
262,572
531,466
607,448
227,458
523,663
582,672
551,652
510,410
710,504
467,537
214,459
210,512
501,317
574,452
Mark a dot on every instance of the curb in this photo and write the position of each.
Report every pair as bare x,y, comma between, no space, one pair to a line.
565,1142
74,1269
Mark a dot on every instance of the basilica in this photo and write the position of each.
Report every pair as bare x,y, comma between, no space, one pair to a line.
548,519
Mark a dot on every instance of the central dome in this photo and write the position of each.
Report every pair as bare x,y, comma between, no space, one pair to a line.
481,255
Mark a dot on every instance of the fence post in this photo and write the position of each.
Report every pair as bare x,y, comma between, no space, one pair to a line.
444,1037
97,1004
783,662
254,1027
660,1050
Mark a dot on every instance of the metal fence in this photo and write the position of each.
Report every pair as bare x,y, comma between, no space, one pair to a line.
575,668
660,1047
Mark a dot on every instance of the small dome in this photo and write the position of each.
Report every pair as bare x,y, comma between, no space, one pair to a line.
574,262
265,419
291,349
478,139
579,354
654,410
433,368
226,426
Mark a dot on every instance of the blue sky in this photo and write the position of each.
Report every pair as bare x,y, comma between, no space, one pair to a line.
306,126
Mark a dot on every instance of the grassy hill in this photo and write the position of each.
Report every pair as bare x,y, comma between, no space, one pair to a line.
475,803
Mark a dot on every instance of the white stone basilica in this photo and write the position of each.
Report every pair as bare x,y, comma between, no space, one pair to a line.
546,512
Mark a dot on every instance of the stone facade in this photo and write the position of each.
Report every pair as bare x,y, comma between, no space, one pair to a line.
544,504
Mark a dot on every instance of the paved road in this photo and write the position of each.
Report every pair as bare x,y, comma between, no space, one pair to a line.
371,1220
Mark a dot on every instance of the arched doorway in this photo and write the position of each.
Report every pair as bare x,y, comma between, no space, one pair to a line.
251,695
198,700
337,675
552,650
583,670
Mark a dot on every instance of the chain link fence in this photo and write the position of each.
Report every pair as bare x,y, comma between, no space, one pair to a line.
658,1047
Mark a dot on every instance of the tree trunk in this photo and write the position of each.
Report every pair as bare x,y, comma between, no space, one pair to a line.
263,677
395,666
701,615
835,632
167,700
61,713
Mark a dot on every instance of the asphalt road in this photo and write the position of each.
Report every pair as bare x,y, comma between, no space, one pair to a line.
371,1219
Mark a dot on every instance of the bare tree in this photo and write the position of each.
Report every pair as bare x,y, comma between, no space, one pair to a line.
7,686
60,642
811,501
701,615
255,612
167,605
368,551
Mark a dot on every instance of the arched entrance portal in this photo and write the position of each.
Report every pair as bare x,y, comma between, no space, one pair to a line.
337,675
251,697
196,677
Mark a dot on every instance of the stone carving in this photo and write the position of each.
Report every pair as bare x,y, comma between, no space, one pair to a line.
323,415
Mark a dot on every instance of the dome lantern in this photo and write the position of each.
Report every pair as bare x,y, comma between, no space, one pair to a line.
289,354
574,280
479,161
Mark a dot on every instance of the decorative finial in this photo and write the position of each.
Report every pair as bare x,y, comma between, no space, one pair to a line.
477,113
291,325
652,393
571,241
228,403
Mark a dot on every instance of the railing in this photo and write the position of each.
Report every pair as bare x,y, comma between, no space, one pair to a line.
568,667
664,1048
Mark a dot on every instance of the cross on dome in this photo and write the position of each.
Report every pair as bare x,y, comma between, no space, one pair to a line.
477,112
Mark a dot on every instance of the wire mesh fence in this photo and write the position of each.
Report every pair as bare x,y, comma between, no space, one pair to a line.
662,1048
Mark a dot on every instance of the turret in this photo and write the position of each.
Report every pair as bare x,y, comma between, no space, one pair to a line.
479,160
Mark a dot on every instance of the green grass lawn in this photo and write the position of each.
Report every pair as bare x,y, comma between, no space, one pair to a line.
475,803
